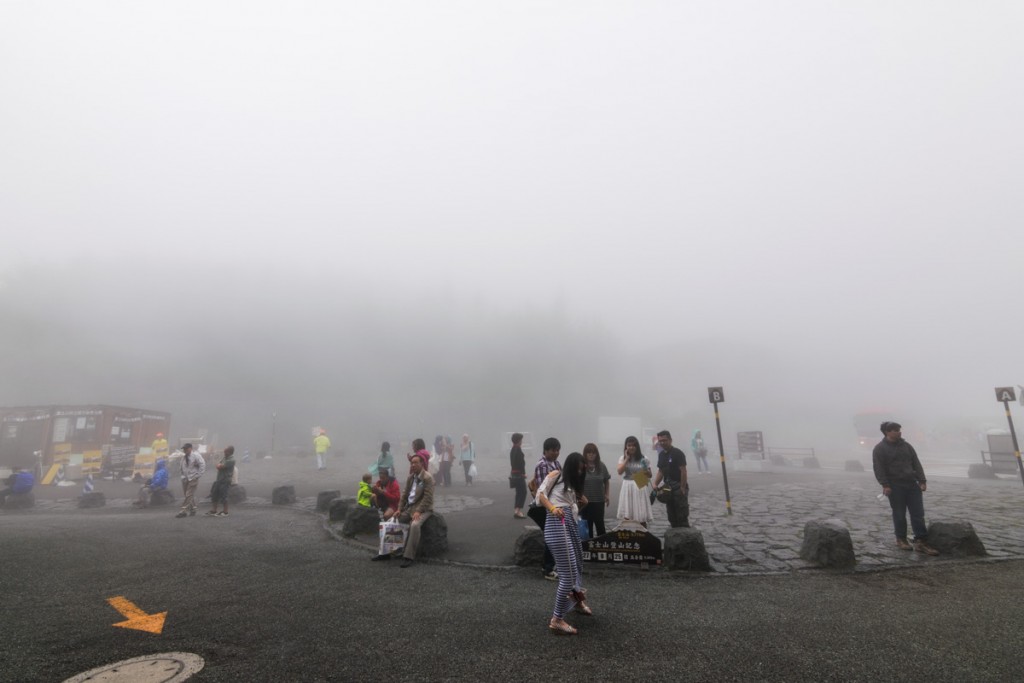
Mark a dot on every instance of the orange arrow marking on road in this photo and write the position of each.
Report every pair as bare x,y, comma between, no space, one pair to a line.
136,618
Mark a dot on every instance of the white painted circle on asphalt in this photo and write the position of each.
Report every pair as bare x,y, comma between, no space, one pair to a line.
168,667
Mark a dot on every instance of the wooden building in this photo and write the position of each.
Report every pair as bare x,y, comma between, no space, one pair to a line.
73,434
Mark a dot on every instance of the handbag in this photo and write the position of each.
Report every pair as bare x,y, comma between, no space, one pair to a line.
537,512
472,470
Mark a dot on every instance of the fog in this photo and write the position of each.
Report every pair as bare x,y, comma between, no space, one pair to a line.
399,220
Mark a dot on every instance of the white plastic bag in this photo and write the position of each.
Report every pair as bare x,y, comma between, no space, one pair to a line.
472,470
392,536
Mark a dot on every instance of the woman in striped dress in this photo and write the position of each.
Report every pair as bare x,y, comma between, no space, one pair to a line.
562,494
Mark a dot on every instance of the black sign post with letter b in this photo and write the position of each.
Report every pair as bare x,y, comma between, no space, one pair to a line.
1005,395
716,396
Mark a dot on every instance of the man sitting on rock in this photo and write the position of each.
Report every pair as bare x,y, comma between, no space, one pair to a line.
386,493
416,506
21,481
157,483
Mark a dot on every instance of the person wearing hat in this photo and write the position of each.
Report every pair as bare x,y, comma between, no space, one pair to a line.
899,472
160,447
192,467
320,444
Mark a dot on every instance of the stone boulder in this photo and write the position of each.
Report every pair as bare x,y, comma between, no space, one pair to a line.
529,550
283,495
854,466
827,543
778,460
684,550
980,470
360,520
324,498
433,537
956,538
19,501
236,494
161,497
93,499
811,462
337,510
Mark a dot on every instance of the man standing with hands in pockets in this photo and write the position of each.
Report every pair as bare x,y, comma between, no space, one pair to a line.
901,476
192,467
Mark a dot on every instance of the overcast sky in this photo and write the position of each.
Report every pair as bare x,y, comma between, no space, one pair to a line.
834,184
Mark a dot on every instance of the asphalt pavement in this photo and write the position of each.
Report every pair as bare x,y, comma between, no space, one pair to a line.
268,594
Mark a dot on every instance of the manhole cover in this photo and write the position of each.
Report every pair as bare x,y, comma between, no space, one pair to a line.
168,667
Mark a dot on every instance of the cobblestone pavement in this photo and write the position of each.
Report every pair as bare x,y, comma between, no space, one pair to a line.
765,531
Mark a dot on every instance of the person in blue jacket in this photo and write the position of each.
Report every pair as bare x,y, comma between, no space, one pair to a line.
19,482
157,483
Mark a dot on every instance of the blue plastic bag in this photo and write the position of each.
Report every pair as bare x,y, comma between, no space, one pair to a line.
584,528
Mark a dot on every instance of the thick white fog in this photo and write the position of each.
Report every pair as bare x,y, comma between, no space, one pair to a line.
403,219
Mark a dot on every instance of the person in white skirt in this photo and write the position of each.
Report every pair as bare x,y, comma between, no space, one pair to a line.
634,500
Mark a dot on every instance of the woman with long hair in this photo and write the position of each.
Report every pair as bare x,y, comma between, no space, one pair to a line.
634,501
561,493
596,488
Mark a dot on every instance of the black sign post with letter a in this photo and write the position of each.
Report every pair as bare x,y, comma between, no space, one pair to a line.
716,396
1005,395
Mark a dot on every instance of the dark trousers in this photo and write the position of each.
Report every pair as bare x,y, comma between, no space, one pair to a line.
904,497
520,483
678,509
594,514
549,560
466,464
446,473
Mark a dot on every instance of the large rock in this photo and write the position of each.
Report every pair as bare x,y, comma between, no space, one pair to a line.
433,537
684,550
93,499
236,494
324,498
337,510
778,460
529,551
360,520
980,470
854,466
18,501
161,497
283,495
827,543
811,462
956,538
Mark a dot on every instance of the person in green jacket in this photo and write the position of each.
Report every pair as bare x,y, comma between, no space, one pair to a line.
365,493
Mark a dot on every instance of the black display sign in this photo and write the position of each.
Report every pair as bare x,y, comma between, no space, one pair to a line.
625,547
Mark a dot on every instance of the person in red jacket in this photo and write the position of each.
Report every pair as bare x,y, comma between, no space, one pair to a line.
386,492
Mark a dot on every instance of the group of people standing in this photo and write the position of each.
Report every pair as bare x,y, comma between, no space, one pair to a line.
192,466
443,453
579,490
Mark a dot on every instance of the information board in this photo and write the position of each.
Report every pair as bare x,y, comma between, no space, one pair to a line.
624,547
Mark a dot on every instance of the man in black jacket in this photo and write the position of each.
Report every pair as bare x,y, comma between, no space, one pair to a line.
899,471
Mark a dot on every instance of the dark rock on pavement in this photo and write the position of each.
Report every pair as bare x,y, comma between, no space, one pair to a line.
93,499
283,495
324,498
338,509
956,538
827,543
18,501
684,550
980,470
529,550
433,537
161,497
236,494
812,463
360,520
854,466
